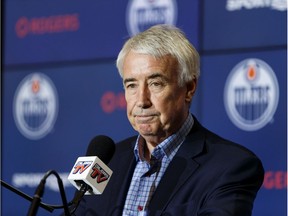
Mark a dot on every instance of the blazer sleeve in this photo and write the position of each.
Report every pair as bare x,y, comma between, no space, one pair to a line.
235,190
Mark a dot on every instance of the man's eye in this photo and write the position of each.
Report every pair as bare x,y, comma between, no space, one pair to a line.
130,85
156,84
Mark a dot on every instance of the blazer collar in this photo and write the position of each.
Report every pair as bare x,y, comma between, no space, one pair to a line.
180,169
193,145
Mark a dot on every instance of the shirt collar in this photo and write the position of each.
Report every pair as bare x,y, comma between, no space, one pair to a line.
167,147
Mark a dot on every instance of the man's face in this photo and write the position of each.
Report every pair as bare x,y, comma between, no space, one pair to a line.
156,105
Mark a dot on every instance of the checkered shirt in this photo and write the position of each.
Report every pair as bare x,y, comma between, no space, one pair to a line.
146,175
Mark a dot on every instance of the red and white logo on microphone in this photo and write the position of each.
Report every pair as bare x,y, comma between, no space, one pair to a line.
93,172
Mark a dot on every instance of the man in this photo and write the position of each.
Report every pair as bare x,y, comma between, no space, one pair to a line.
174,166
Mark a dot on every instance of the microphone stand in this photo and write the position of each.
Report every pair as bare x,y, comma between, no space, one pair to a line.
25,196
40,191
45,206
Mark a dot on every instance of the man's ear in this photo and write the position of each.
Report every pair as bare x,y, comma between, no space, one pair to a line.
191,89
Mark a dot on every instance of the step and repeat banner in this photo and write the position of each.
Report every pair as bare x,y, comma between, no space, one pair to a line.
244,79
61,88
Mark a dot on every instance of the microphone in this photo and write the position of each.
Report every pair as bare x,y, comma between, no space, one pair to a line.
90,174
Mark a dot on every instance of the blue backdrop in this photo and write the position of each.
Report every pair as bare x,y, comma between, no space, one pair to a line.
60,86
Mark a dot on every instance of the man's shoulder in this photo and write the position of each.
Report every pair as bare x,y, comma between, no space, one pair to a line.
214,142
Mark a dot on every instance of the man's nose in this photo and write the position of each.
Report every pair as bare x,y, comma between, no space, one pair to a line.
143,97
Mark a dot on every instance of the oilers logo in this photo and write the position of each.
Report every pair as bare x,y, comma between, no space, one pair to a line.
251,94
142,14
35,106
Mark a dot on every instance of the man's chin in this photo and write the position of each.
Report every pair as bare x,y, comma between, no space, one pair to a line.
146,133
145,129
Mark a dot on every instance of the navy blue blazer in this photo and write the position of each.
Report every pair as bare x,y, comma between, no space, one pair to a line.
208,176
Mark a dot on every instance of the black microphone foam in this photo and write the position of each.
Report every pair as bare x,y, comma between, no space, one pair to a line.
102,147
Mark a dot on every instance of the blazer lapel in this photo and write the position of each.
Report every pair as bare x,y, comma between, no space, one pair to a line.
179,170
122,179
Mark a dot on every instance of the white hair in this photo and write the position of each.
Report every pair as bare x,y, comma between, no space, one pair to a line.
162,40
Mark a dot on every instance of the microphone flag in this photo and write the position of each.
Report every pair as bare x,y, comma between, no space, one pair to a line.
92,171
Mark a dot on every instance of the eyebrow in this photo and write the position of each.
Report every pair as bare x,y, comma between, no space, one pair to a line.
129,80
156,75
152,76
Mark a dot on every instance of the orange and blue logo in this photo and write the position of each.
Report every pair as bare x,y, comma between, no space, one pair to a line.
142,14
251,94
35,106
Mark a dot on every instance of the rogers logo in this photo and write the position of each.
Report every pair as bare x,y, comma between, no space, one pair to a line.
111,101
46,25
276,180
